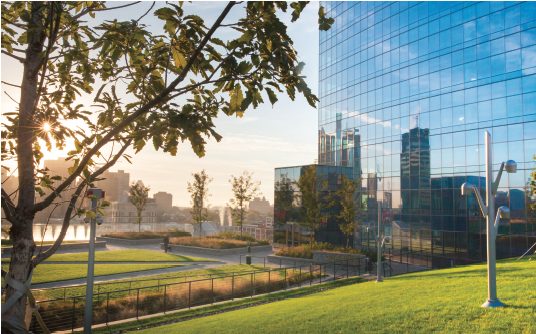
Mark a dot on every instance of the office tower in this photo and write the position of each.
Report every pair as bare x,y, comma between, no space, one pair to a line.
421,82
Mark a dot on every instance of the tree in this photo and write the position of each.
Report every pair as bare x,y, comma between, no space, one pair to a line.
134,78
199,192
244,189
313,198
253,215
138,196
351,208
284,203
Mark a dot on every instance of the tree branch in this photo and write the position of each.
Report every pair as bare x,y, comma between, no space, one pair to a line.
6,83
8,206
89,9
132,117
67,218
22,60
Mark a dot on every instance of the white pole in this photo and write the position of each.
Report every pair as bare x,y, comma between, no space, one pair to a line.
492,301
90,272
379,242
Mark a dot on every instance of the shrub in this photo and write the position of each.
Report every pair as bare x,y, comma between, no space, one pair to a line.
306,251
226,235
146,235
215,243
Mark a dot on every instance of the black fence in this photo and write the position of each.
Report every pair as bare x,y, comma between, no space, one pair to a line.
67,313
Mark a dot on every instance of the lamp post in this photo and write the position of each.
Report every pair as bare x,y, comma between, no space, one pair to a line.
95,194
492,222
380,242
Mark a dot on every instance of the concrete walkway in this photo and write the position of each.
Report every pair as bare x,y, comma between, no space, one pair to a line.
133,262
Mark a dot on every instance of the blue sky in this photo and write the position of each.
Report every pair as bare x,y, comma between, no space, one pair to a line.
265,138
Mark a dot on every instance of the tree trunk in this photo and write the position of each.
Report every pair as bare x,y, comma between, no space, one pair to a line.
19,267
22,232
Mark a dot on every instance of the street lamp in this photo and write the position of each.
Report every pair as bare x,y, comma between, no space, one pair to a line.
492,223
379,241
95,194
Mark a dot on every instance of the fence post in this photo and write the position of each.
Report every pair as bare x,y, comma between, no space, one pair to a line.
74,302
251,285
347,273
212,295
321,274
159,285
279,263
285,278
137,303
334,272
310,274
232,293
269,281
107,303
407,262
189,294
64,294
165,289
300,278
98,292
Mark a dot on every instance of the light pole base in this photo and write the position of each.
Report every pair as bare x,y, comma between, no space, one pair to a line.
379,280
493,303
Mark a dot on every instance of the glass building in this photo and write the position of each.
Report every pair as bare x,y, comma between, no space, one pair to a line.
407,91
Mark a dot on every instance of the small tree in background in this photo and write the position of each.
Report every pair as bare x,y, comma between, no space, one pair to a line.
253,215
199,192
284,199
138,196
352,208
244,189
313,203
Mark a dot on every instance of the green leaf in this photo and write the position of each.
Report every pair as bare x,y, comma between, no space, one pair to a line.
236,99
272,96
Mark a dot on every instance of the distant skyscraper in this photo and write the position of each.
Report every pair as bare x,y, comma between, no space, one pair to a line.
164,201
116,184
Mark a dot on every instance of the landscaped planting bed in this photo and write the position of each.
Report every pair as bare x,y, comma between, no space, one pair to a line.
215,243
145,235
306,251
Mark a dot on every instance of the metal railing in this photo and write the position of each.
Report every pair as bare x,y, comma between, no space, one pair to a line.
67,313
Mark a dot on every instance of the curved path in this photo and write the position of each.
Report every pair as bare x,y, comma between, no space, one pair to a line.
186,265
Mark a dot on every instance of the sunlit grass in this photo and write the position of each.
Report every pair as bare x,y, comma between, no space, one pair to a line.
446,300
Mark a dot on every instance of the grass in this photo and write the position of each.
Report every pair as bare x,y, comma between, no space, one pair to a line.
220,307
164,279
9,243
134,255
445,300
145,235
61,272
214,243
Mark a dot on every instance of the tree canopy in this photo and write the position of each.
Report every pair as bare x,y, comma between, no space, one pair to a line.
134,79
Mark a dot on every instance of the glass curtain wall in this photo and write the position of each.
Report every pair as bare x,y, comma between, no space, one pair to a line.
407,90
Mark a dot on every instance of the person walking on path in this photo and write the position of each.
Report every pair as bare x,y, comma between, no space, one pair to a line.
166,242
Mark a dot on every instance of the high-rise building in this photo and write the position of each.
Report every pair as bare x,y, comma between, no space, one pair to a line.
116,184
260,205
407,91
164,201
59,167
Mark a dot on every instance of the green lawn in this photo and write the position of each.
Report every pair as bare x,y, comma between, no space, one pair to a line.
445,300
132,325
164,279
121,256
59,272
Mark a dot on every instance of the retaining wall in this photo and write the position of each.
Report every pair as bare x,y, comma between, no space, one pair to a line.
81,246
217,252
127,242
